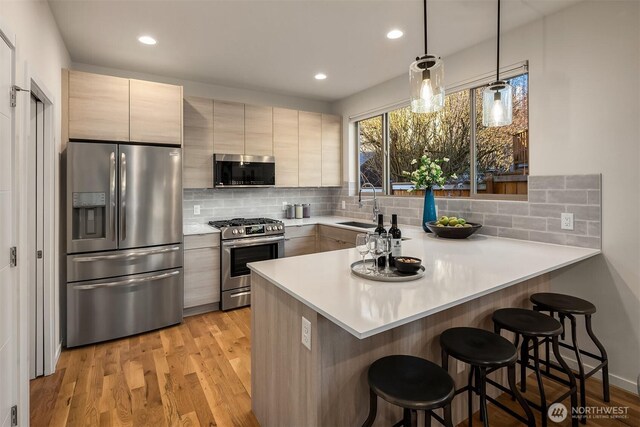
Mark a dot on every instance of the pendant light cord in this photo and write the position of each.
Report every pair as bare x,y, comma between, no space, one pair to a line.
498,46
426,50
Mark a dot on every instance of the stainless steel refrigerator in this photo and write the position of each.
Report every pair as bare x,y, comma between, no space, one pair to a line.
124,240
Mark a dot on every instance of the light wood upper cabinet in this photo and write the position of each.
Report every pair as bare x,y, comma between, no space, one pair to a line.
285,146
310,149
228,127
331,150
258,130
155,112
98,107
198,143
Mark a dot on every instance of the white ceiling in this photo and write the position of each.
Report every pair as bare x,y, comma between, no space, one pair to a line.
279,45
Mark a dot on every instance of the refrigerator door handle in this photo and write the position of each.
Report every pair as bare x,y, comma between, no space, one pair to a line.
112,195
123,196
126,282
127,255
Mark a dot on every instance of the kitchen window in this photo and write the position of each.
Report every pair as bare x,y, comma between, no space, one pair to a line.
388,142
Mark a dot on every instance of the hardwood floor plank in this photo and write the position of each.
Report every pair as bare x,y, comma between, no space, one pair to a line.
199,374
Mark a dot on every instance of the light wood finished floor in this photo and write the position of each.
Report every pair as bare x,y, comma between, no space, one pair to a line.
194,374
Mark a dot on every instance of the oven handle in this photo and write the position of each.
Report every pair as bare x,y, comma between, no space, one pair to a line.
240,294
252,242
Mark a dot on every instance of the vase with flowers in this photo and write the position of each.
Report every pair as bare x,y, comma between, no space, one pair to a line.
428,173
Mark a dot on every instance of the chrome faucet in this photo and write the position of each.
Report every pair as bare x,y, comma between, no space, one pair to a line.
376,209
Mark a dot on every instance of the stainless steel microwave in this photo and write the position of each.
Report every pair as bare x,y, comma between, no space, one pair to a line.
236,170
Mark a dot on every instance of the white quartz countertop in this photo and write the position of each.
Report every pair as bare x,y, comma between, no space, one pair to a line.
457,271
194,229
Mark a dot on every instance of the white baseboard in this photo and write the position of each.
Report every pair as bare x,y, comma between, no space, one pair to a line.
623,383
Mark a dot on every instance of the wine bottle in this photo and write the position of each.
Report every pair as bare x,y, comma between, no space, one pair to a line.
379,230
396,240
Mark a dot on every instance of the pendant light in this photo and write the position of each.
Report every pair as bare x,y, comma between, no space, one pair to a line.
497,108
426,79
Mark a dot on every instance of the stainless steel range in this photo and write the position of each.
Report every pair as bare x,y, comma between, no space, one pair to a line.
245,240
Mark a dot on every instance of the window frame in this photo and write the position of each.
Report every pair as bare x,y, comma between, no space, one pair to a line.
471,86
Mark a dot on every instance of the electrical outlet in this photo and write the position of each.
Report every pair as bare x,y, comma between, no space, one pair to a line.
306,333
566,221
196,209
344,205
284,206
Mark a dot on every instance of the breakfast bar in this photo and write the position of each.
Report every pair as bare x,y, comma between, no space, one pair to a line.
354,321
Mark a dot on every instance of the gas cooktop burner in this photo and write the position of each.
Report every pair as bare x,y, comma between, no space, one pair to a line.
238,222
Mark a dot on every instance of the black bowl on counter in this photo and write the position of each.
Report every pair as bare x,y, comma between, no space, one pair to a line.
453,232
407,264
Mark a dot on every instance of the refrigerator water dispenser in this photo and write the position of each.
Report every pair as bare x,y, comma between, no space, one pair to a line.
89,216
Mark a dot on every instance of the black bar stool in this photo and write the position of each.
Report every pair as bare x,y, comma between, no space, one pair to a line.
534,327
567,306
412,383
485,352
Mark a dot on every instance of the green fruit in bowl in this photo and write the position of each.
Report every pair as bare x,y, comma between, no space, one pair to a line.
444,218
459,226
467,225
439,225
444,221
462,221
453,222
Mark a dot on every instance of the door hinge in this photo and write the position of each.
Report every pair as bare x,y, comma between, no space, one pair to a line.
14,415
12,94
39,254
13,256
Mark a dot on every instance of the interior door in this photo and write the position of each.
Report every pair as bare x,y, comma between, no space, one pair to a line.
8,278
150,196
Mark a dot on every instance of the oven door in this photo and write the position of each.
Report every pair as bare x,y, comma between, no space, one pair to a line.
236,254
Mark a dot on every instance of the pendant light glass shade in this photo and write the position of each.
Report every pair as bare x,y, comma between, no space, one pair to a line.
426,81
497,108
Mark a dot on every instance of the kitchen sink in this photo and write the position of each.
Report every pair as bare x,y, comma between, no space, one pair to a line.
358,224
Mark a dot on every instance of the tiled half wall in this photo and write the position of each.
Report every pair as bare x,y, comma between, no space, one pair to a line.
537,219
254,202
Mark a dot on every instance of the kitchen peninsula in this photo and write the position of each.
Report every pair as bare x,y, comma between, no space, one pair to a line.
356,321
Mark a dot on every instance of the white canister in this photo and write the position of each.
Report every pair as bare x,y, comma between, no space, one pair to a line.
299,211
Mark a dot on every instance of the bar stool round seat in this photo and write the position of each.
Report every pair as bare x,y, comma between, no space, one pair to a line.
478,347
527,322
562,303
411,382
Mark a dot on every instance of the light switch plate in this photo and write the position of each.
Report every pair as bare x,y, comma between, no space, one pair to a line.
344,205
306,333
284,206
196,209
566,221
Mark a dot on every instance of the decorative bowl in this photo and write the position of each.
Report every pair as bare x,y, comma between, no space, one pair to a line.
407,264
453,232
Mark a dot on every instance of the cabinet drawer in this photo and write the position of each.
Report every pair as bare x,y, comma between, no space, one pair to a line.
300,246
339,234
294,231
194,241
201,276
326,244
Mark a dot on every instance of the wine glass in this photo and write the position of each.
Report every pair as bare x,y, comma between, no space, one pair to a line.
380,249
362,245
385,243
372,245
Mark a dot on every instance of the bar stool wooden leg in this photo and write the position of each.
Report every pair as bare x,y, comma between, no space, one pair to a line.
572,379
373,409
536,364
524,357
581,378
470,396
511,375
427,418
448,419
603,355
482,380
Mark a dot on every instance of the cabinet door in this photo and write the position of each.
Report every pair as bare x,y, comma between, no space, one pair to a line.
228,127
201,276
198,143
258,130
285,146
331,151
300,246
98,107
156,112
310,149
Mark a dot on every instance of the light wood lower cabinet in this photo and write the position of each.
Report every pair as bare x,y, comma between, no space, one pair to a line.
201,269
308,239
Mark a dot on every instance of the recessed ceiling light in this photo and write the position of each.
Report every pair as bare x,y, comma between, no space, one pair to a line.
320,76
147,40
394,34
